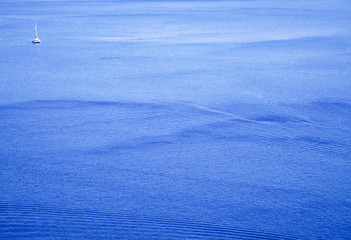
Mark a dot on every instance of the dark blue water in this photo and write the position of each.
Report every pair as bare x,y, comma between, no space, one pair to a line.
175,120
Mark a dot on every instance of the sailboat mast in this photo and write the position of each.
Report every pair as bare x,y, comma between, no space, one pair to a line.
36,38
36,30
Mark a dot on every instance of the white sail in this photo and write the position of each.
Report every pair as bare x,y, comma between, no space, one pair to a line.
36,38
36,29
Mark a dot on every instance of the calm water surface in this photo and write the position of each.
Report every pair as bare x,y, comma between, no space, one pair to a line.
175,120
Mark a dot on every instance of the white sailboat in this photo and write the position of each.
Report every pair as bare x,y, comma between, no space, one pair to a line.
36,38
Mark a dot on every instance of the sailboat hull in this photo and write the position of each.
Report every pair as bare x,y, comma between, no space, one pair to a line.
36,40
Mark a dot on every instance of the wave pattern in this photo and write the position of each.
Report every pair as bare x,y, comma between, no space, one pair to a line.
149,147
178,120
30,221
238,131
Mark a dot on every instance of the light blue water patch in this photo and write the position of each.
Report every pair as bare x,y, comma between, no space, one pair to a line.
199,51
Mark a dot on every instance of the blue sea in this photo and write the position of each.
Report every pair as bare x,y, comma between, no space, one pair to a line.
175,119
